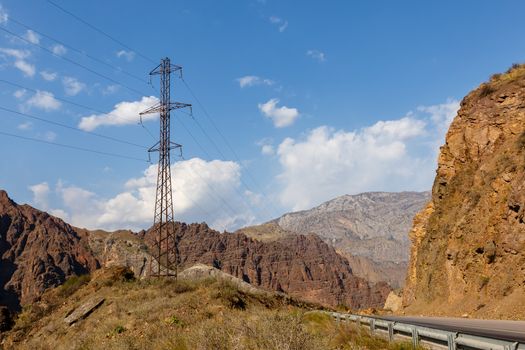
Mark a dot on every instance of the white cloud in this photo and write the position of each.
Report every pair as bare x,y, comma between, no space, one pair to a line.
25,67
3,15
20,63
41,195
15,53
44,100
267,150
128,55
72,86
110,89
59,50
316,55
392,155
49,76
32,37
49,136
124,113
267,147
442,114
281,116
20,93
25,126
252,80
197,186
279,22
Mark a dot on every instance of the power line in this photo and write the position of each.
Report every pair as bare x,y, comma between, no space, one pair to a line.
223,138
58,98
72,103
72,147
71,127
203,149
81,52
100,31
73,62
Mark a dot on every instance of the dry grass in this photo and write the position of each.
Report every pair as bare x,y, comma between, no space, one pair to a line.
167,314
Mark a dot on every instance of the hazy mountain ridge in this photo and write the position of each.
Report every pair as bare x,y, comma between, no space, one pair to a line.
371,226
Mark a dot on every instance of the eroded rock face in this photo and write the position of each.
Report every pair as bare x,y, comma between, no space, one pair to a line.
468,253
37,251
369,229
302,266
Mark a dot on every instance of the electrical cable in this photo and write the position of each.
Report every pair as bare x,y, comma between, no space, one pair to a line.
71,127
72,147
100,31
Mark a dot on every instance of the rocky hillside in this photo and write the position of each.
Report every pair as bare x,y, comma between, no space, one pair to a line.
302,266
37,251
370,229
203,309
468,253
40,251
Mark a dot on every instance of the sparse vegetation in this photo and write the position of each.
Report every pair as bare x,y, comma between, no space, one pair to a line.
168,314
486,89
72,284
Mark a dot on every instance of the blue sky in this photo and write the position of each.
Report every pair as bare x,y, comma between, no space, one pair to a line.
317,99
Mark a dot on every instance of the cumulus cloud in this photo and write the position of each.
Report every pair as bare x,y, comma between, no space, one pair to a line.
49,76
25,126
72,86
124,113
267,147
15,53
280,116
25,67
392,155
59,50
316,55
280,23
44,100
197,184
41,195
252,80
128,55
32,37
20,93
110,89
20,60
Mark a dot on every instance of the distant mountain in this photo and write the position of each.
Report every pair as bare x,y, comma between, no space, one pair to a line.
370,229
39,251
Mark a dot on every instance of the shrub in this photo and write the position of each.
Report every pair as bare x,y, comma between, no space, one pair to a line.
486,90
72,284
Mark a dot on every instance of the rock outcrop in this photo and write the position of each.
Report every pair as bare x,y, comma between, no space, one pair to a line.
37,251
302,266
370,229
468,253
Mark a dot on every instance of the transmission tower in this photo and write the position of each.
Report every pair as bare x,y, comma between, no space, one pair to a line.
164,250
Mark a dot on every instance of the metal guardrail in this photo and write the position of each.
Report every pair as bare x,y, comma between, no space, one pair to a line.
428,336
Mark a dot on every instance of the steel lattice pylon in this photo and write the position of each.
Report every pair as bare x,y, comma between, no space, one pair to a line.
164,250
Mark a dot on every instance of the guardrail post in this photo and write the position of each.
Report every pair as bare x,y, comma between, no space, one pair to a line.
358,320
451,341
372,326
415,337
390,331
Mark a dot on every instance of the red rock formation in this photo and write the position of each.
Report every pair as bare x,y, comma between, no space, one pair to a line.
37,251
302,266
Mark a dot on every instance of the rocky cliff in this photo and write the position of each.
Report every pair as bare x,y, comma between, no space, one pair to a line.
302,266
370,229
468,252
37,251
